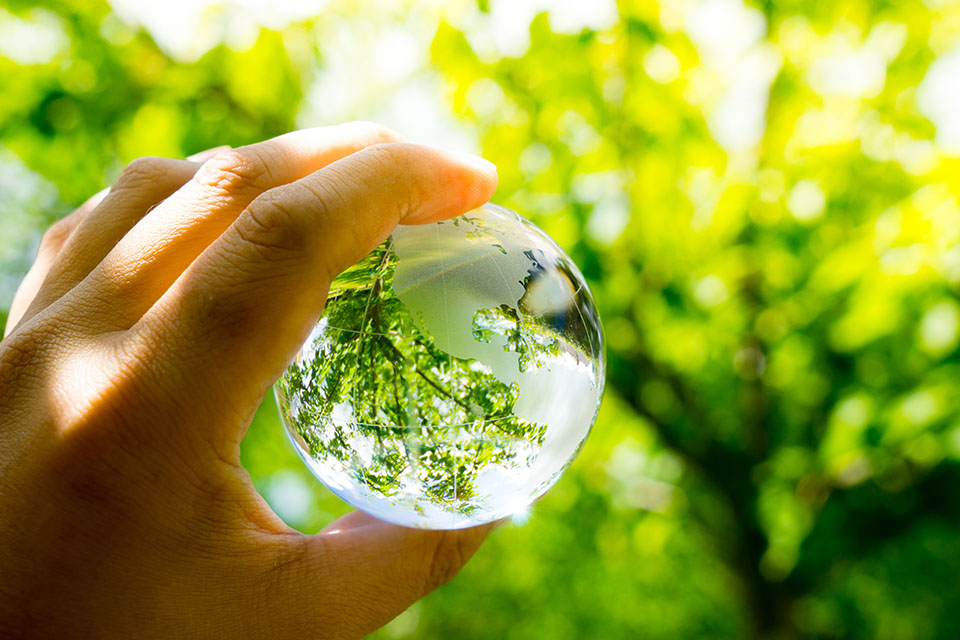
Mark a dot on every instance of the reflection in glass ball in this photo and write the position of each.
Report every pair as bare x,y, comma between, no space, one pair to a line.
453,376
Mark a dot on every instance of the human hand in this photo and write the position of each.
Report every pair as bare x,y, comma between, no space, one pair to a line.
137,351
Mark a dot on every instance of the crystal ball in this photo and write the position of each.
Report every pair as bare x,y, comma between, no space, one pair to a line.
453,376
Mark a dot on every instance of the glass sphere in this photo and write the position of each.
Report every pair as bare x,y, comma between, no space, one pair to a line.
453,376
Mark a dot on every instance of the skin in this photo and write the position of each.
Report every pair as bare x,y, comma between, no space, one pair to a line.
138,348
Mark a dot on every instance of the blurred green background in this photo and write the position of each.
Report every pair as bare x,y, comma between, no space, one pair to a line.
763,196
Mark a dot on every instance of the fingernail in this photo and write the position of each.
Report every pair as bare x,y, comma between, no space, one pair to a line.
200,156
475,162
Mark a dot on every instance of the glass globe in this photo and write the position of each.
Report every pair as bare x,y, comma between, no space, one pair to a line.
453,376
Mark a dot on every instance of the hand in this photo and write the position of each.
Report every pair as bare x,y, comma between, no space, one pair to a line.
137,351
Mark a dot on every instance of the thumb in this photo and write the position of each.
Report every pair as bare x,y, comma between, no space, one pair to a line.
360,572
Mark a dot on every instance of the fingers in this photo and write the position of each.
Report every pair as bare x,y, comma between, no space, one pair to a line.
73,246
153,254
50,245
370,568
247,304
144,183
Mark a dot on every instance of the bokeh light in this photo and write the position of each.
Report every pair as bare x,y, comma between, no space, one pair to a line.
763,197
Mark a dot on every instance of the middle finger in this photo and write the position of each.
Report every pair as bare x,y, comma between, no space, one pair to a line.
144,183
154,253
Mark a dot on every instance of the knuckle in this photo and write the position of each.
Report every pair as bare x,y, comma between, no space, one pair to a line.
32,354
235,171
330,208
274,225
55,236
142,171
18,354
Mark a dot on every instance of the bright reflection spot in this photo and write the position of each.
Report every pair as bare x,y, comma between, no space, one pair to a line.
725,29
417,109
486,98
939,327
855,471
509,24
661,64
396,91
806,201
608,219
920,407
521,515
733,83
535,159
883,143
594,187
710,291
397,53
840,68
856,74
938,96
186,29
573,17
38,39
950,265
577,133
853,411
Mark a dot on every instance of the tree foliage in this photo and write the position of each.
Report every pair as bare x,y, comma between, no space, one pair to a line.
370,376
777,455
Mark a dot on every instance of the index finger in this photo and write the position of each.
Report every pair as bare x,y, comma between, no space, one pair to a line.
247,304
152,255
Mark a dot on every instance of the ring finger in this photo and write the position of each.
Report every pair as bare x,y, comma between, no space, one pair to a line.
94,231
153,255
74,245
